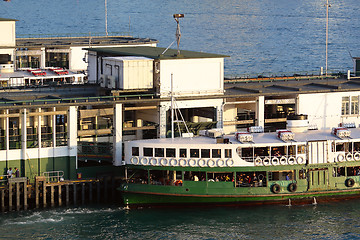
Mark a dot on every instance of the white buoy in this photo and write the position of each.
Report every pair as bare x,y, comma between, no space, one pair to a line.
314,202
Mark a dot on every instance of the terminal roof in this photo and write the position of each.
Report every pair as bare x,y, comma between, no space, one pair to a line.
153,52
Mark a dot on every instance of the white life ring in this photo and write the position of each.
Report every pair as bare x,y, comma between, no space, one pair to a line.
292,160
173,162
229,162
153,161
300,160
202,162
257,161
220,162
283,160
182,162
266,161
144,161
340,158
357,156
134,160
274,161
349,157
192,162
211,163
164,162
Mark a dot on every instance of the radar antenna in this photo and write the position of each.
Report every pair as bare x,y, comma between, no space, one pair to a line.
178,33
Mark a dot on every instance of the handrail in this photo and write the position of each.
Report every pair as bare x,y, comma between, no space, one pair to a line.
54,176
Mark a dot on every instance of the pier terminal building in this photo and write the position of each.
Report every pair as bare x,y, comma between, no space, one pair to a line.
69,106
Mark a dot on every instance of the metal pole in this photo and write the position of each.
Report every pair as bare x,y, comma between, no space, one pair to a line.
172,108
106,18
327,37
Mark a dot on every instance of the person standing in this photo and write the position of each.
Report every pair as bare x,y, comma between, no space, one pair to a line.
9,173
17,172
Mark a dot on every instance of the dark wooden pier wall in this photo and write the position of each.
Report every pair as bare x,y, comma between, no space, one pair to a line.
17,194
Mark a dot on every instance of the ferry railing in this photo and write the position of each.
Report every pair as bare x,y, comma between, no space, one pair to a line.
54,176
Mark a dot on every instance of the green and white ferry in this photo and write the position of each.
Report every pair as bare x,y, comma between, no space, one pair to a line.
295,165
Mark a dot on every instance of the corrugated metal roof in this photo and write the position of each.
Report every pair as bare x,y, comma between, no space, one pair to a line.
153,52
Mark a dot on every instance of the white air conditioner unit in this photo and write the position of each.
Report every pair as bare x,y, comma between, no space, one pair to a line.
102,80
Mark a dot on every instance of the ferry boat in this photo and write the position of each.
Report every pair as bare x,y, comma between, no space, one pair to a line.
294,165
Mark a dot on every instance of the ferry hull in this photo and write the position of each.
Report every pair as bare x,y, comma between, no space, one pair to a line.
136,199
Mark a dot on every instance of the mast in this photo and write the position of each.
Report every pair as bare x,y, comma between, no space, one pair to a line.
172,108
327,36
106,30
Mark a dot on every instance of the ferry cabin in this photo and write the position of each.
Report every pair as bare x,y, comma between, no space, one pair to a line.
267,169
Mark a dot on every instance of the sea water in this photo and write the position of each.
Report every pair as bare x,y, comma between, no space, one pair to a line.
260,36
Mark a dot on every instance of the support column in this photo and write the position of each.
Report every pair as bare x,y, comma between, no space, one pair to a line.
23,135
43,58
72,132
260,111
162,121
219,116
117,134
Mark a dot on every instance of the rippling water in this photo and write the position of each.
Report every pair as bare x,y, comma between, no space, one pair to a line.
258,35
324,221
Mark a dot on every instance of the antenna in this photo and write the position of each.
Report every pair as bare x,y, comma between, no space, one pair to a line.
106,30
327,36
178,33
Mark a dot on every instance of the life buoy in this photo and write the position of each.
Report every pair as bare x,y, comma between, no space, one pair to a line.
153,161
274,161
229,162
134,160
173,162
182,162
257,161
292,187
291,161
300,160
275,188
340,158
192,162
211,163
266,161
357,156
163,161
144,161
202,162
349,182
349,157
220,162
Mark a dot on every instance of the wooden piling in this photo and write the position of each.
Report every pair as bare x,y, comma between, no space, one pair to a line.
74,188
67,195
17,193
2,200
59,195
83,193
52,202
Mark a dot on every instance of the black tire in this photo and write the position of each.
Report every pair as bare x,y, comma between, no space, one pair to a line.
292,187
349,182
275,188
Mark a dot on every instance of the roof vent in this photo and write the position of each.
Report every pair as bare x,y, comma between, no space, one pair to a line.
285,135
244,137
341,132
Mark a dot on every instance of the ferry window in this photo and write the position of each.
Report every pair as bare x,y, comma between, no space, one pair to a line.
148,152
138,176
338,171
356,146
340,147
261,151
135,151
170,152
246,152
194,176
291,150
205,153
182,153
281,175
159,152
345,106
228,153
354,105
194,153
277,151
220,176
251,179
353,171
216,153
301,149
302,174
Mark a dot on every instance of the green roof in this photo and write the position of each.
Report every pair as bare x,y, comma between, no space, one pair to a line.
7,20
153,52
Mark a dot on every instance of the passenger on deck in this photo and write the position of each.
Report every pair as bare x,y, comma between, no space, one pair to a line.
288,177
196,179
